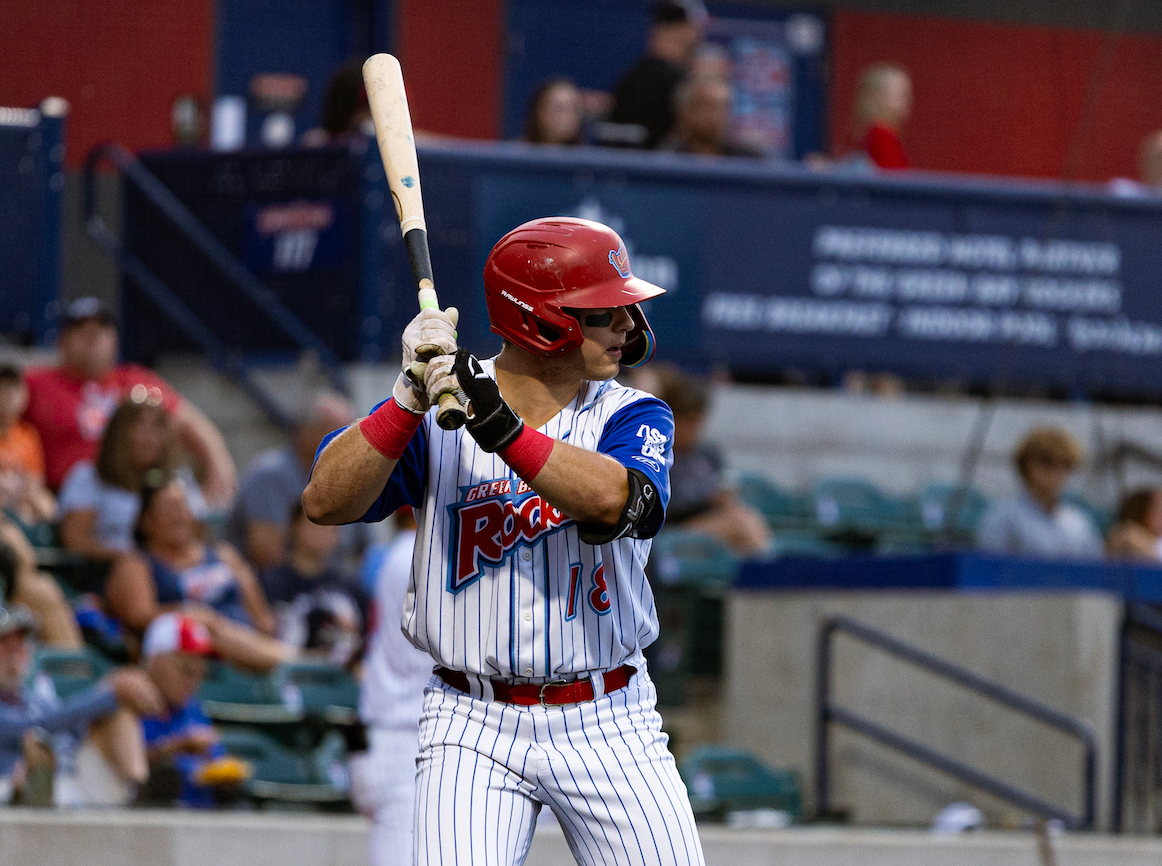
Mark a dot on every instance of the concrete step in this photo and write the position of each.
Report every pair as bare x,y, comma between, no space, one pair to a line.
173,838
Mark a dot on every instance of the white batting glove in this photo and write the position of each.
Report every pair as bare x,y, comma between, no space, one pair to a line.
410,396
439,379
430,328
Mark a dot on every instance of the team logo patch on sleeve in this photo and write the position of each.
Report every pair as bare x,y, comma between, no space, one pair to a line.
491,520
653,446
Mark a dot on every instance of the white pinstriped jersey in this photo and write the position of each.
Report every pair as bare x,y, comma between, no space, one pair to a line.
501,583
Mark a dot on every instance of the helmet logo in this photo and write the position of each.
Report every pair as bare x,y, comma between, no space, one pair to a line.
509,296
620,260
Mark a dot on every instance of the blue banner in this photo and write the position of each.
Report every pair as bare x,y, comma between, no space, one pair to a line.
775,267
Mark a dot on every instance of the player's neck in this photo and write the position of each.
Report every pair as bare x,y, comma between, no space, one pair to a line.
536,388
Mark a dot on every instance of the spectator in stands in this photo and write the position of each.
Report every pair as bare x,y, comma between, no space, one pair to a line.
644,95
23,495
883,104
555,114
23,584
86,750
383,779
319,607
701,498
176,570
1138,531
346,114
1040,523
99,502
175,648
1149,182
274,482
702,112
69,405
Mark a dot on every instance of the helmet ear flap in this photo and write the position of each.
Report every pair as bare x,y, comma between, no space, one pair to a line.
639,347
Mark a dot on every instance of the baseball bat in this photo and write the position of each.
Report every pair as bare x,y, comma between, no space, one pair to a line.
383,79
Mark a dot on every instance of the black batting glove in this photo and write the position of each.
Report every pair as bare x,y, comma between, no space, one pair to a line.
491,421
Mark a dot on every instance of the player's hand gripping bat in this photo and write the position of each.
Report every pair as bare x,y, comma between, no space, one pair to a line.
393,130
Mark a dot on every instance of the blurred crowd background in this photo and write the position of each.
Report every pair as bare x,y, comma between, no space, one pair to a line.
911,250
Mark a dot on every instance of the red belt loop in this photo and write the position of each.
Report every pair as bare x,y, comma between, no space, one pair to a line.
550,694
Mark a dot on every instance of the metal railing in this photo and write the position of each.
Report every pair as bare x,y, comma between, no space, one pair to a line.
228,362
1137,789
829,713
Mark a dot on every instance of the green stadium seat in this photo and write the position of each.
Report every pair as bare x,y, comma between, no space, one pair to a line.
943,501
318,689
1103,518
781,508
231,695
804,543
722,779
693,559
70,670
280,774
857,505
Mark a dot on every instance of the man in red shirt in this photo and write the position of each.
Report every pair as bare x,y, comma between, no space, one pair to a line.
70,404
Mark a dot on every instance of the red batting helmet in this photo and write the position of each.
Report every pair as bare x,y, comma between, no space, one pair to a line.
540,269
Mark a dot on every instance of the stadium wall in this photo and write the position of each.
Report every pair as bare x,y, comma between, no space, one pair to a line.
119,63
1057,647
1006,99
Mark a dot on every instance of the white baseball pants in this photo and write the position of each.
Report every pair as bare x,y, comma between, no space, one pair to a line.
487,768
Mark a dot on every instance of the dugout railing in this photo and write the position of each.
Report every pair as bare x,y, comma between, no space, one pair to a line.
231,364
830,713
1137,787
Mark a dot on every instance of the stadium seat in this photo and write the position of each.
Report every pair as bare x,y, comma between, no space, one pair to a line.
781,508
722,779
944,501
282,775
318,689
857,505
693,559
230,695
1103,518
71,670
803,543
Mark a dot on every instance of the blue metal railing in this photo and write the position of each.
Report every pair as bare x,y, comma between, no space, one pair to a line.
828,713
223,359
1137,787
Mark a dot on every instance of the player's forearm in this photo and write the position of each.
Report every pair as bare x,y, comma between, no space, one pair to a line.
201,438
587,486
347,479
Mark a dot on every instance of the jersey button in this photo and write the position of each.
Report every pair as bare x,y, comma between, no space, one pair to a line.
526,555
528,672
528,615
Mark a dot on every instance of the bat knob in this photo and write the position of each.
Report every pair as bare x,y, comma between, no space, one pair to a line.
450,415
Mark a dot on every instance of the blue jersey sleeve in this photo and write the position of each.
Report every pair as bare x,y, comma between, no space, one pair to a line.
641,436
405,485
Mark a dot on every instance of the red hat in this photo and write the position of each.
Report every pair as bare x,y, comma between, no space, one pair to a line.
172,632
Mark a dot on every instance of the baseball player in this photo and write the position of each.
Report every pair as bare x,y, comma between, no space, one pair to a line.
528,585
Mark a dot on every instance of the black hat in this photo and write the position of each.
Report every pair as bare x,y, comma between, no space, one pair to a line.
85,309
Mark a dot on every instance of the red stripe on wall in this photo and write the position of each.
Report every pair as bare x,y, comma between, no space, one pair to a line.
119,63
450,51
1005,99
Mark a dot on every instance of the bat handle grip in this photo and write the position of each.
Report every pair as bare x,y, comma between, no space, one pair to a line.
450,415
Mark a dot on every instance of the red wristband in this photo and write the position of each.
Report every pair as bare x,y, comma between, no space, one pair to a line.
389,429
527,453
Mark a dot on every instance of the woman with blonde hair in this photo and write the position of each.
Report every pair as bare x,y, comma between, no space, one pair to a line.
883,104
